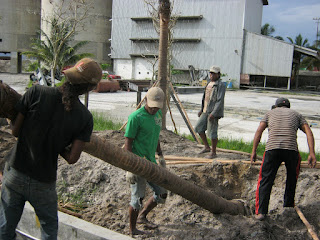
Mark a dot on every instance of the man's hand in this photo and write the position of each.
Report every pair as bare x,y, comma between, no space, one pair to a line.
210,117
199,113
8,99
312,161
162,161
253,157
131,178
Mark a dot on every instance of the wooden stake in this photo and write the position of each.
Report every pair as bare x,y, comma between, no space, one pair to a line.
174,124
308,225
185,114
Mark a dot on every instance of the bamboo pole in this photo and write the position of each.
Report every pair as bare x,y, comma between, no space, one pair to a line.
308,225
233,151
188,160
62,209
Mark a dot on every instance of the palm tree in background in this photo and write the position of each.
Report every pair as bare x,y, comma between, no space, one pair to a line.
268,30
312,63
297,57
45,49
299,41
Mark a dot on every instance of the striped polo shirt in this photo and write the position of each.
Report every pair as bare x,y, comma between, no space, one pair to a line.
283,124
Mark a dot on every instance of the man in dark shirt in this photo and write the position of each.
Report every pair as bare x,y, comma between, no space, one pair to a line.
283,124
51,121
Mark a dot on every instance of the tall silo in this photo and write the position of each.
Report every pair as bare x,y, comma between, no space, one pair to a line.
19,22
96,29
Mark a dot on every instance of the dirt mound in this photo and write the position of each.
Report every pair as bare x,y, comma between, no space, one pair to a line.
100,194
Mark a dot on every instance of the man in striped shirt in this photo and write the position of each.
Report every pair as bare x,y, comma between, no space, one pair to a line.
283,124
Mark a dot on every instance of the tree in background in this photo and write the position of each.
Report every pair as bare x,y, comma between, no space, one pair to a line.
58,31
44,49
312,63
299,41
297,57
268,30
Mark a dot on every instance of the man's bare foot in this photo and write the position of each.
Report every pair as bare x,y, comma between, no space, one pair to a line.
136,232
205,150
146,222
212,155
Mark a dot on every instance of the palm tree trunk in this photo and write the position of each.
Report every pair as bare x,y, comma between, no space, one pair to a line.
128,161
164,14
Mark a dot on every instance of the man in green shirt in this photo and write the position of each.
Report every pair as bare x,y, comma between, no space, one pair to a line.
142,138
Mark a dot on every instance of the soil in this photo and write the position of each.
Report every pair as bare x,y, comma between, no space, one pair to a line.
99,193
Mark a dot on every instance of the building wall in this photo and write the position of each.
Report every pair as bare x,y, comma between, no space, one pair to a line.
96,28
253,16
19,22
220,32
267,56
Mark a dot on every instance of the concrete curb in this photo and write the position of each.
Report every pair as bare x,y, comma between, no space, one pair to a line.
70,228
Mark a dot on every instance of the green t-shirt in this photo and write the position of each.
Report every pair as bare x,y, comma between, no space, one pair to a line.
144,128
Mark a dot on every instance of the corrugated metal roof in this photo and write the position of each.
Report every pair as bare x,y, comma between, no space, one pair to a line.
307,51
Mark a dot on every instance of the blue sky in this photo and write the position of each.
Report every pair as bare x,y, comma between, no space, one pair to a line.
291,17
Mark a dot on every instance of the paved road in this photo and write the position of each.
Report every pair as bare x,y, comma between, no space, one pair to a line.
243,109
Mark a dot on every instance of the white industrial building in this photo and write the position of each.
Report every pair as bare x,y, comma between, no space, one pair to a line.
207,32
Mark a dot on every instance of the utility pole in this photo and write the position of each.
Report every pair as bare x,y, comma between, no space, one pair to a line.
317,22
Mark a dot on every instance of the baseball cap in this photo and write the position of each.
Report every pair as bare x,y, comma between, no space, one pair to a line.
155,97
214,69
282,102
84,71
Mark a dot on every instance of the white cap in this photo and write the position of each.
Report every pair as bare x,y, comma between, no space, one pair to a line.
155,97
214,69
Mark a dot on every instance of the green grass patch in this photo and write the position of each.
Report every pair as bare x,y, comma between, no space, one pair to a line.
102,122
240,145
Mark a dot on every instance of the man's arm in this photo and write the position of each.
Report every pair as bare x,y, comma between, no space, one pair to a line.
312,161
17,124
219,102
161,161
72,155
256,140
128,144
159,151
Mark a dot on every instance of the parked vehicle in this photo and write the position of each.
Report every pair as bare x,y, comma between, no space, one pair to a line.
109,75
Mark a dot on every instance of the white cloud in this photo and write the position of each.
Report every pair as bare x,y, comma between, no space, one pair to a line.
299,14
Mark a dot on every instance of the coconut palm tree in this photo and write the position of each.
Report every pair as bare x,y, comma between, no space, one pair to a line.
268,30
298,57
312,63
299,41
53,51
